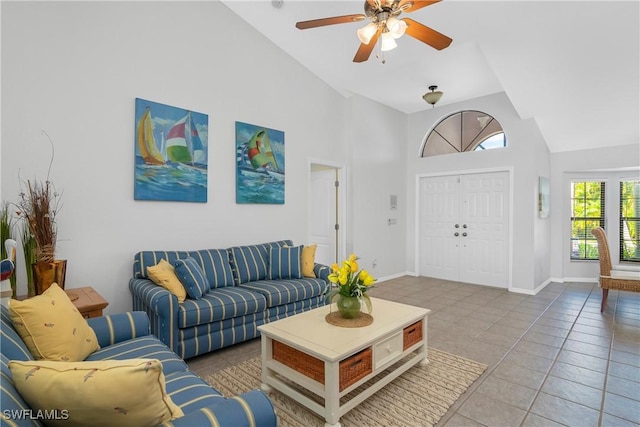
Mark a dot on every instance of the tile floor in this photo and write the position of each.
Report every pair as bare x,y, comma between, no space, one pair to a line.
553,358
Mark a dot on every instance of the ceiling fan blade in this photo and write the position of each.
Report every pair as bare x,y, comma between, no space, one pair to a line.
413,5
375,4
364,51
427,35
345,19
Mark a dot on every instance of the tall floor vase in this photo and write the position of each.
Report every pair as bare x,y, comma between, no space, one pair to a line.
47,273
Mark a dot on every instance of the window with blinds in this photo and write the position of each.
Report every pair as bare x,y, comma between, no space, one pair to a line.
587,213
629,221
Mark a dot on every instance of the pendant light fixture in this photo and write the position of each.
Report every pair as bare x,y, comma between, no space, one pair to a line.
432,97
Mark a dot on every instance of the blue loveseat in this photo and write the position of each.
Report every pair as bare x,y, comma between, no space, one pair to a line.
127,336
244,291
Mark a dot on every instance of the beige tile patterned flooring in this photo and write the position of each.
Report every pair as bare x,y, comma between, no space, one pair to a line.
553,358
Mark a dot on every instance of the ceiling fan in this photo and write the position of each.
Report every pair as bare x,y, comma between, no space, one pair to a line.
385,25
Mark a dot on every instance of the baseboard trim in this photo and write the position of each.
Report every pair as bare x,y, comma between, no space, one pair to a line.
393,276
532,291
577,279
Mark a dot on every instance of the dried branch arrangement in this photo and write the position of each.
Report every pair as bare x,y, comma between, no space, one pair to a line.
38,206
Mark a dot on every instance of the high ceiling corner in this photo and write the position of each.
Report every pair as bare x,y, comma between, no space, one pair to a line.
573,66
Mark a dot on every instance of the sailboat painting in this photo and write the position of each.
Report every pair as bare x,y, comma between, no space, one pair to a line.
170,152
259,164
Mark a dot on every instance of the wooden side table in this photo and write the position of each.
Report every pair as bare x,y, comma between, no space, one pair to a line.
88,302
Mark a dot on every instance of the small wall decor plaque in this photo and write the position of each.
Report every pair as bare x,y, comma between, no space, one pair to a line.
543,197
171,159
259,164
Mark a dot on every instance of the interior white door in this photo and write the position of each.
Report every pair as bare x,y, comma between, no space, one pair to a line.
323,215
464,228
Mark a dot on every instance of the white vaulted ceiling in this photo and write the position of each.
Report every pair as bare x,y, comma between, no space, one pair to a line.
573,66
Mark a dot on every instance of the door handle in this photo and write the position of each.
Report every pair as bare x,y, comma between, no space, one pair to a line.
464,234
456,234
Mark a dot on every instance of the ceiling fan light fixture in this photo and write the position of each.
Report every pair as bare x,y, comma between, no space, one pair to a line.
388,41
366,33
432,97
396,27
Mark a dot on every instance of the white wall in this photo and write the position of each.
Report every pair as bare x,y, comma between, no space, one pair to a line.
74,70
376,136
525,156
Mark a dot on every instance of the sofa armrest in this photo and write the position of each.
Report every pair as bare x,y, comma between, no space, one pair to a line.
115,328
248,409
322,271
162,308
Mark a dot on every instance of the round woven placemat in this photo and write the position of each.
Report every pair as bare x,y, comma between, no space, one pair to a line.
335,319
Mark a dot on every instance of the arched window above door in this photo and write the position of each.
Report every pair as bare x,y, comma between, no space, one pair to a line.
464,131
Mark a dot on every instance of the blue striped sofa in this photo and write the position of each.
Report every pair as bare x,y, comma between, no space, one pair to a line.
126,336
241,296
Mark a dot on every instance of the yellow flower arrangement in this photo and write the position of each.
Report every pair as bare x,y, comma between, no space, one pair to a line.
347,281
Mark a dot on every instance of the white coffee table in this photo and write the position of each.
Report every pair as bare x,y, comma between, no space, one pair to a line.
332,361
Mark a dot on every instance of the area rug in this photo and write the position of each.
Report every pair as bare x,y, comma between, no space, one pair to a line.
419,397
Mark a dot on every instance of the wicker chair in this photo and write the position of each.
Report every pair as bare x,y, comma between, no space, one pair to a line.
612,279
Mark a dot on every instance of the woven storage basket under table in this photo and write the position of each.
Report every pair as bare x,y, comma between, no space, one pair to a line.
356,367
352,369
306,364
411,335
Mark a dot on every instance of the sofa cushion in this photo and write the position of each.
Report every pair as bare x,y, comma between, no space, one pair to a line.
220,304
216,266
214,262
278,292
285,263
10,342
148,347
52,327
102,393
192,277
250,263
164,274
309,260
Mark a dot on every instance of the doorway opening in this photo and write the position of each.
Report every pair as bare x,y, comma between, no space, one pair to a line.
327,211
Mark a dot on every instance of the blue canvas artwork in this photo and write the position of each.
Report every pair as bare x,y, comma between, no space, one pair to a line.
259,164
171,153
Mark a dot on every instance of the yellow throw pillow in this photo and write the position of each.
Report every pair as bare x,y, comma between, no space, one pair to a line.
164,274
101,393
52,327
308,260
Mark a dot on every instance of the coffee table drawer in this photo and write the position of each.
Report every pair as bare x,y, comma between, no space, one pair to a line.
387,350
356,367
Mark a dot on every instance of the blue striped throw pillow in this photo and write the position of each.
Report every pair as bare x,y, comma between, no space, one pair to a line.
192,277
285,262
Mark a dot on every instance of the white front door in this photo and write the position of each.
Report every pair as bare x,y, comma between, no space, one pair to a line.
323,215
484,237
439,213
464,228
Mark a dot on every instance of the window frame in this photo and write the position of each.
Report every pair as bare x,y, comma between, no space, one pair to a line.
471,146
622,219
601,220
